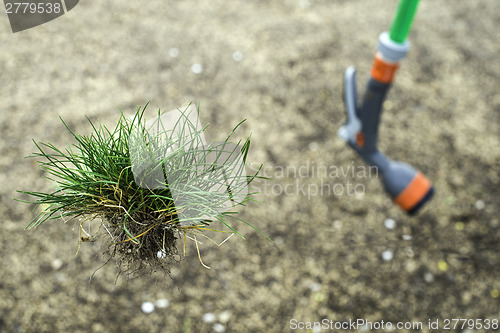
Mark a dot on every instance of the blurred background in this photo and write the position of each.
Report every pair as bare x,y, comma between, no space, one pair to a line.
340,255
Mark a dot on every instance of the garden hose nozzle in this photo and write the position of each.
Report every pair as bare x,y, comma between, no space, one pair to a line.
408,188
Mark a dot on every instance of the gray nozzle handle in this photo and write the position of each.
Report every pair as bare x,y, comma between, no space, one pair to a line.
350,95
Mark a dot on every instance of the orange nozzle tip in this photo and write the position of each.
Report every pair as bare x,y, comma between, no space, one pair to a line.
418,192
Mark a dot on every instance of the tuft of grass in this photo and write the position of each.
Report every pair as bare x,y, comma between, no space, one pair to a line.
144,187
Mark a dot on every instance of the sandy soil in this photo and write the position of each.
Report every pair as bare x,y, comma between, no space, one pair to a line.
326,262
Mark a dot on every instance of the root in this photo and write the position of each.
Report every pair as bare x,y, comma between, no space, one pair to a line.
141,248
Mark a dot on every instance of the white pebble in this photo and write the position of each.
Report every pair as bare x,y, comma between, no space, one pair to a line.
480,204
197,68
161,254
407,237
313,146
278,240
315,287
224,316
390,224
387,255
147,307
173,52
219,328
237,56
162,303
428,277
208,317
56,264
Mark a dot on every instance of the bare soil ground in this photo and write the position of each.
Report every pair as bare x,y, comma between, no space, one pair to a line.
326,261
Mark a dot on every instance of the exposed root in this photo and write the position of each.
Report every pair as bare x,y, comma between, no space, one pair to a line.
142,247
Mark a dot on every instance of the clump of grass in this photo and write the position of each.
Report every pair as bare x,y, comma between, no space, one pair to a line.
144,187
